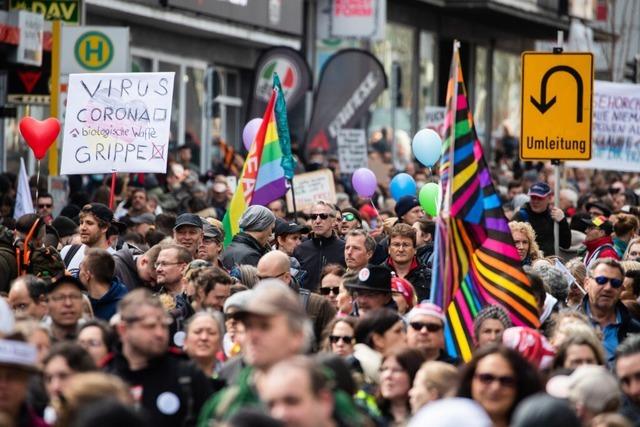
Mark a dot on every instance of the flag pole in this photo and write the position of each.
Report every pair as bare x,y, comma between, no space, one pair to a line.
112,191
293,199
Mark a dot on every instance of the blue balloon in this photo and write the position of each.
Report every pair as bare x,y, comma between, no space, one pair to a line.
402,185
427,146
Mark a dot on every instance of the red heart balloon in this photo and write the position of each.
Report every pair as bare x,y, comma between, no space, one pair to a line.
39,135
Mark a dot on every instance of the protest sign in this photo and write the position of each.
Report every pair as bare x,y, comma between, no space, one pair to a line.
310,187
434,119
352,150
117,122
616,128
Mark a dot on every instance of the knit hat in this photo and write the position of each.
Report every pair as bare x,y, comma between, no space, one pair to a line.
256,218
405,204
404,288
64,226
491,312
531,344
426,309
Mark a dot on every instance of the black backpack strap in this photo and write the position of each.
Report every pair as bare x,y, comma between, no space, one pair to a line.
73,250
184,379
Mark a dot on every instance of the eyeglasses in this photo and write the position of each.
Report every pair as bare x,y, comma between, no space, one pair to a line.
431,327
322,216
333,339
63,297
165,264
603,280
488,379
272,277
45,205
330,290
348,217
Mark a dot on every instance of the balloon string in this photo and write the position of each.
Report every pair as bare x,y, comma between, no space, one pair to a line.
37,180
374,208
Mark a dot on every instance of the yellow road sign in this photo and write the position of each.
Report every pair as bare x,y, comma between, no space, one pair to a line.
557,93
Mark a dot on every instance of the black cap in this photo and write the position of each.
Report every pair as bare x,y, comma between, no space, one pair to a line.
99,210
190,219
599,222
64,226
606,210
63,280
285,227
373,278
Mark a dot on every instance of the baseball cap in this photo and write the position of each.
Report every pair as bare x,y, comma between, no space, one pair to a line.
212,232
145,218
190,219
56,282
64,226
286,227
539,189
606,211
271,297
600,222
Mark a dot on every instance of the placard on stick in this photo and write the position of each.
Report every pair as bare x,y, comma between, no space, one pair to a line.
311,187
352,150
117,122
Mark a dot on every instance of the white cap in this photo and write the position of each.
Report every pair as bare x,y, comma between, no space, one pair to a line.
451,412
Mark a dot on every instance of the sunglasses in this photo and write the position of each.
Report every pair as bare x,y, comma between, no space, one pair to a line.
488,379
603,280
45,205
431,327
348,217
330,290
333,339
322,216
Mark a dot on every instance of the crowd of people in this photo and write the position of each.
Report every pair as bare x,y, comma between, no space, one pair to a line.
140,315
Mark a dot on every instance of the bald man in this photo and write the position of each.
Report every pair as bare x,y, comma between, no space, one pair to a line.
276,265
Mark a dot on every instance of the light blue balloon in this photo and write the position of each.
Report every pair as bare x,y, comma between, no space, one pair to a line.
401,185
427,147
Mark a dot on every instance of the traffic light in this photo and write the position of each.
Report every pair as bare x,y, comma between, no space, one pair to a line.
632,70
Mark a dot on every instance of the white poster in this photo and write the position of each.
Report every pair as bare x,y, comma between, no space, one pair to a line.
434,118
310,187
352,150
31,27
356,18
117,123
616,128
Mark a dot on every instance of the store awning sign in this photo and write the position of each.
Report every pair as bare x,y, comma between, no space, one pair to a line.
557,91
117,123
64,10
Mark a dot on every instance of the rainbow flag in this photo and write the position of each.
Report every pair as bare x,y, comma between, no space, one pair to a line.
262,180
475,262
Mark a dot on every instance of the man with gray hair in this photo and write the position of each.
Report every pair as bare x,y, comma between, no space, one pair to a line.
592,390
603,306
323,245
248,246
276,328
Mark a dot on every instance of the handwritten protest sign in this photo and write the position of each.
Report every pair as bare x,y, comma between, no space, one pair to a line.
616,128
310,187
434,118
117,123
352,150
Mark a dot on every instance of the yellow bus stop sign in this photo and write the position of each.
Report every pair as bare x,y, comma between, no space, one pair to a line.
557,91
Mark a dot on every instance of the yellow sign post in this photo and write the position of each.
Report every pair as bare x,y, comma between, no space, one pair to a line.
557,91
55,93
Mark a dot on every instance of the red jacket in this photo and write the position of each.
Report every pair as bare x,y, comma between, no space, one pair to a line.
600,248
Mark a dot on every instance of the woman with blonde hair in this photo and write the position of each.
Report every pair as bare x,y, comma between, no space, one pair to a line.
434,380
524,239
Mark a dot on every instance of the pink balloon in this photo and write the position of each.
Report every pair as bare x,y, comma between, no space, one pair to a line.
250,131
364,182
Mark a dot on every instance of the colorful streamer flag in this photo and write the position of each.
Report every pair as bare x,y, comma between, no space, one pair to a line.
262,180
288,163
476,262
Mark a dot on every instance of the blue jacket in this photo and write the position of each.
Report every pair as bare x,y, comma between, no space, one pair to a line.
105,307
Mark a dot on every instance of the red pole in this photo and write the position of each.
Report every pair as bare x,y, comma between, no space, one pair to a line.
112,193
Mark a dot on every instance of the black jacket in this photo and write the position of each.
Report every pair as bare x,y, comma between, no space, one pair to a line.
8,264
542,224
316,252
244,249
419,276
126,268
171,388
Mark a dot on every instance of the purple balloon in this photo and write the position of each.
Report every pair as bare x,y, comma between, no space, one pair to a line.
364,182
250,131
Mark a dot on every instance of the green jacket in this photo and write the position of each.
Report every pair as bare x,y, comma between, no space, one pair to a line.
224,404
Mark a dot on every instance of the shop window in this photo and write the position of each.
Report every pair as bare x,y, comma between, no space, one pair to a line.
480,93
428,87
505,95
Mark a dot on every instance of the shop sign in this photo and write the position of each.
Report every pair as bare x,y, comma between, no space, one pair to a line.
63,10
